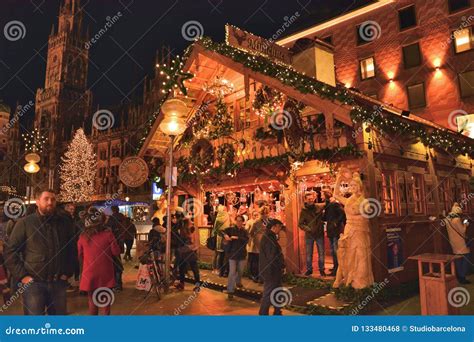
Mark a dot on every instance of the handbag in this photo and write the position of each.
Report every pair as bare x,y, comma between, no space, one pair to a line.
211,243
143,278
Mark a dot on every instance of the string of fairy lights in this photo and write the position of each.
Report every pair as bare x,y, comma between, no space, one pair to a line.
454,143
34,141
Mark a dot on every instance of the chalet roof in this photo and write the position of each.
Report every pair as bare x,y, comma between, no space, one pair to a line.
347,106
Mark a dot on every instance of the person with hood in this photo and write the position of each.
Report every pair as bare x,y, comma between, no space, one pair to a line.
457,233
221,223
97,247
311,222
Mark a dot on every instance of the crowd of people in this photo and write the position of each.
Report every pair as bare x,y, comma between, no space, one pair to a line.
54,250
249,241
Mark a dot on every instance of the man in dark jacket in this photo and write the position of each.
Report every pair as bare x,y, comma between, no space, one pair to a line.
311,222
118,223
335,219
271,266
39,253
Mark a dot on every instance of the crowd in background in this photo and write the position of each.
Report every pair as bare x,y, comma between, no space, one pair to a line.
52,250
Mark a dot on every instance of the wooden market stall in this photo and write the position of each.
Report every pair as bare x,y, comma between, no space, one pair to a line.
257,127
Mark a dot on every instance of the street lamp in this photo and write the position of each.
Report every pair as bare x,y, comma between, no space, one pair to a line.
126,206
173,124
31,167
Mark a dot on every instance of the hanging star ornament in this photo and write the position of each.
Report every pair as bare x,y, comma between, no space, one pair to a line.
174,76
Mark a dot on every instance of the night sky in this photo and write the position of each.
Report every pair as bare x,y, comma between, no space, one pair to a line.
125,53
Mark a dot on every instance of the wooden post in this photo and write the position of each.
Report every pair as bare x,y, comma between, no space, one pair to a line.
377,235
329,122
291,207
437,237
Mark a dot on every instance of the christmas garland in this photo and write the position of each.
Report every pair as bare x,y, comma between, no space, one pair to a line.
186,173
267,100
202,156
226,157
436,138
432,137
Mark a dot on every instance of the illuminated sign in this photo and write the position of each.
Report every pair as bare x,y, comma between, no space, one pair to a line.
156,192
246,41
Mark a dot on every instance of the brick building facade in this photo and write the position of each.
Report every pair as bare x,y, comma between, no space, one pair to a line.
416,55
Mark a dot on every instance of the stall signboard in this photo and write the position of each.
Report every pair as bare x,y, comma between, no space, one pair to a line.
394,250
246,41
133,172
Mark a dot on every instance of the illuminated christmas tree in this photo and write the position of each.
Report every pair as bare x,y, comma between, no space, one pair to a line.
78,170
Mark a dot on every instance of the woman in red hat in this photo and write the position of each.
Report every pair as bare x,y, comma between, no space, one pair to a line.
97,247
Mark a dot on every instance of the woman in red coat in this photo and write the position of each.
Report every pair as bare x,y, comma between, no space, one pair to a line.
97,246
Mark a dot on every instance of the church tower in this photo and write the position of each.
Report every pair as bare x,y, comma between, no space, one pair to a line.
64,102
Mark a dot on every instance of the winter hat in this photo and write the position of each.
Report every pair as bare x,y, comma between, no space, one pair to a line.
93,218
273,222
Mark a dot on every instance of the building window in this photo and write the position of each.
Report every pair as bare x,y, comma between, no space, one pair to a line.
367,68
388,192
418,193
103,155
463,40
411,55
407,17
466,83
457,5
416,95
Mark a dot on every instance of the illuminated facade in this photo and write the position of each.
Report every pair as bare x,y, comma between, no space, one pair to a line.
414,55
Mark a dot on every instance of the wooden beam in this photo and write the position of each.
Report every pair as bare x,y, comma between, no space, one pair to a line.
341,112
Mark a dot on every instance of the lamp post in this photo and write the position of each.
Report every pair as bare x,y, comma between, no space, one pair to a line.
126,206
31,167
172,125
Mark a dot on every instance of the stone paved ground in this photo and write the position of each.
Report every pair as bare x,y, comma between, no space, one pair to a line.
132,302
212,301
